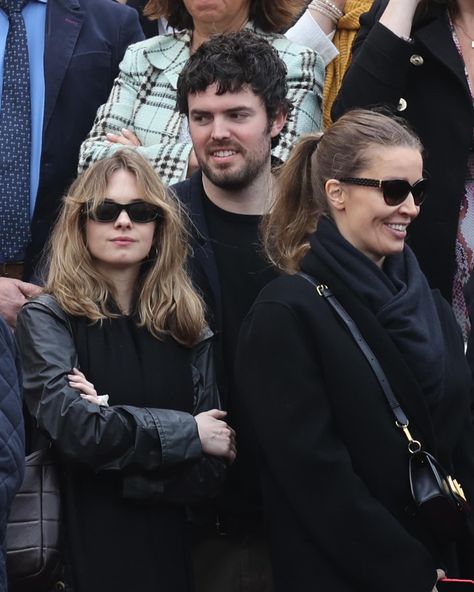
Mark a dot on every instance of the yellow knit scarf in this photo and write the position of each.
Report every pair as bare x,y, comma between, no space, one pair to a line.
346,31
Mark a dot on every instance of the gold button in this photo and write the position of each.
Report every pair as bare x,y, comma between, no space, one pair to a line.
402,105
417,60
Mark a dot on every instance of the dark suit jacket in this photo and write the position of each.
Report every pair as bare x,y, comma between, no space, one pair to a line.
385,69
150,28
334,467
204,268
85,41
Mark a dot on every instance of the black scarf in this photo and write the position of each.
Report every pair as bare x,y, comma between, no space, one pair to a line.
398,295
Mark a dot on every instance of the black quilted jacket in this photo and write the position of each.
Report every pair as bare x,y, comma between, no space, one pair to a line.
12,436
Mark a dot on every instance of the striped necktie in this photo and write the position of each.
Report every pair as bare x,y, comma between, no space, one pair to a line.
15,134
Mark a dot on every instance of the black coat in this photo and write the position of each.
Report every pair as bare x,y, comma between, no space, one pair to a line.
203,265
385,69
334,467
85,41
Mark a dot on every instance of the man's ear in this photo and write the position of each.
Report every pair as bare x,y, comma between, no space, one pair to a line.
335,194
278,122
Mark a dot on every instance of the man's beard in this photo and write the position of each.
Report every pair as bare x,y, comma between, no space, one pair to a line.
237,180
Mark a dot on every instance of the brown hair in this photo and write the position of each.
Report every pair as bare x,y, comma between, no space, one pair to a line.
342,151
272,16
167,302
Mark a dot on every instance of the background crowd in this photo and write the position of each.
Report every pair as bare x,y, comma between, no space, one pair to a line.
176,179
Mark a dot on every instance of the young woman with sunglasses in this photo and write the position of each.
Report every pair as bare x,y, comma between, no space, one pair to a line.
334,466
417,57
118,375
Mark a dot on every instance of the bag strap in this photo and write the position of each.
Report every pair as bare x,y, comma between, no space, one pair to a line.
401,419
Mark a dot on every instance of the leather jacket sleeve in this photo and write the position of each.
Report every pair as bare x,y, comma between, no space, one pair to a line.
113,438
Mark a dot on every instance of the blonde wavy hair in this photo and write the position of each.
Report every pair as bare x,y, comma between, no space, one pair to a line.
343,150
166,301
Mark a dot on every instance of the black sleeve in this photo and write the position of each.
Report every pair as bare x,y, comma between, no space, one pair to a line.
377,74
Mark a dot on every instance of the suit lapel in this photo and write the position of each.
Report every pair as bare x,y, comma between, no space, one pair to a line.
63,25
205,254
192,197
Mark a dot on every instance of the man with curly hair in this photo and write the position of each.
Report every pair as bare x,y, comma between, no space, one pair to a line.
234,93
141,110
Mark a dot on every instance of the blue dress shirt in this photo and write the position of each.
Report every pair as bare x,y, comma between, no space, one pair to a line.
34,14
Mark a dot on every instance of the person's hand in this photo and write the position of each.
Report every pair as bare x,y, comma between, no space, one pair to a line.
13,295
217,438
439,574
79,382
126,138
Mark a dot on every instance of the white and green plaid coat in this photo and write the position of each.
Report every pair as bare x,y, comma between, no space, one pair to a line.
143,100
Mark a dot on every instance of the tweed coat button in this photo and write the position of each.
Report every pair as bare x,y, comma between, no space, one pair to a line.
402,104
417,60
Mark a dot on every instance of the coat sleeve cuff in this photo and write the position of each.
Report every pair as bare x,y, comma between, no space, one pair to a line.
386,55
179,436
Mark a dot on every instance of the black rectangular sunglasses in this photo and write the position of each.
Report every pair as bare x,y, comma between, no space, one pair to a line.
394,191
108,211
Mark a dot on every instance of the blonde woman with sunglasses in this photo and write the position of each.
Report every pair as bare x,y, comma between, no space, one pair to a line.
118,375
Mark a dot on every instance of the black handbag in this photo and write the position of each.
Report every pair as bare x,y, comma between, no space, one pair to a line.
33,529
438,498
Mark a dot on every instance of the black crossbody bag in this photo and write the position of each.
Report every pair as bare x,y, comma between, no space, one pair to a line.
439,499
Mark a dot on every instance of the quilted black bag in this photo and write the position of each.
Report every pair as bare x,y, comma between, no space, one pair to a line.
33,529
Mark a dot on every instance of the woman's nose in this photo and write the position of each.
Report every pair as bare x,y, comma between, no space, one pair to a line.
409,207
123,220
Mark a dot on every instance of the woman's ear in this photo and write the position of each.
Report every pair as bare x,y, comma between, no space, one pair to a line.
335,194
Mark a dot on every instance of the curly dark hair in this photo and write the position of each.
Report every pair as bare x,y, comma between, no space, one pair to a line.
271,16
234,61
